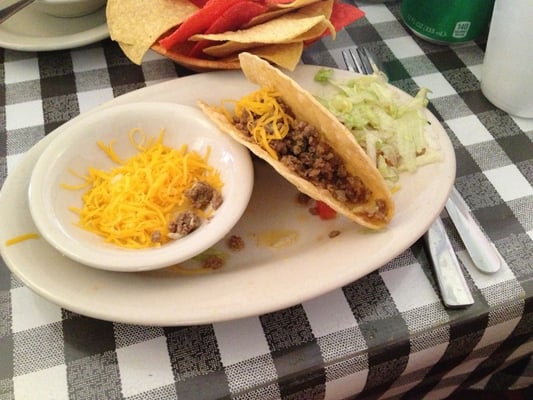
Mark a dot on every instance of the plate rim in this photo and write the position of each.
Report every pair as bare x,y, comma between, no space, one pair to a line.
60,42
174,318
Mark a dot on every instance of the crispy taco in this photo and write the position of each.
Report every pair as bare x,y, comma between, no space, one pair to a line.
286,126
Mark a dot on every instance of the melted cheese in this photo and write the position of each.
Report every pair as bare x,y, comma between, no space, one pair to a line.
140,196
271,122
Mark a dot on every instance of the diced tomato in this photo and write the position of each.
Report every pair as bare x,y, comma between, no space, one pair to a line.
197,22
232,19
324,211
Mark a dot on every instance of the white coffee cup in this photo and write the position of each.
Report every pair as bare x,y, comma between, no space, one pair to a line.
507,71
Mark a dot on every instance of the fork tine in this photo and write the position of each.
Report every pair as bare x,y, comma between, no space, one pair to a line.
348,61
355,61
366,62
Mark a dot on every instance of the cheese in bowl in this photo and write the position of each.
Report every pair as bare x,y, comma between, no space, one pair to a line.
139,186
159,194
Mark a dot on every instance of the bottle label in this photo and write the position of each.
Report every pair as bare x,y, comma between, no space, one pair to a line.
461,29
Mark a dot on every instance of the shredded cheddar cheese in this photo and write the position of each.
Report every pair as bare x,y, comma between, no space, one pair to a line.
273,123
139,197
21,238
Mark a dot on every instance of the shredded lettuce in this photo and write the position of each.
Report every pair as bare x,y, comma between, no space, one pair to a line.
392,131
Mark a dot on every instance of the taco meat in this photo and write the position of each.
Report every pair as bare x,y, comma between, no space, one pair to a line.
304,152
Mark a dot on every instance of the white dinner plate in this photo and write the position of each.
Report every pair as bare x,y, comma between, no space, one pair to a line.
288,256
32,30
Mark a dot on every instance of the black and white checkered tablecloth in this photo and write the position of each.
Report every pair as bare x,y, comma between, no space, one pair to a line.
372,336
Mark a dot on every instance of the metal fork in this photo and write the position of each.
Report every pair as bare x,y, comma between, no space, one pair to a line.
452,284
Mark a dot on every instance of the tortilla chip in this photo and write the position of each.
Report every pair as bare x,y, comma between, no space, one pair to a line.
377,211
306,23
137,24
285,28
284,55
316,31
291,4
194,64
278,10
133,52
260,19
227,48
319,8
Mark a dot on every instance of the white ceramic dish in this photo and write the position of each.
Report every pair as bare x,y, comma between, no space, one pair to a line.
256,280
69,8
33,30
76,149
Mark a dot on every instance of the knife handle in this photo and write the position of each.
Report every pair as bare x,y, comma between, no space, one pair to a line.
453,287
482,252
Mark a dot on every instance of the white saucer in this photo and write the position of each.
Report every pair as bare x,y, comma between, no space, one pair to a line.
31,30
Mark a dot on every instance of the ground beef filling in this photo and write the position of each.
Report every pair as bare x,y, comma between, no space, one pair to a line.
303,151
201,195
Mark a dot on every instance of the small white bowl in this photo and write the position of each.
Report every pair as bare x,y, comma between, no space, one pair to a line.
69,8
76,148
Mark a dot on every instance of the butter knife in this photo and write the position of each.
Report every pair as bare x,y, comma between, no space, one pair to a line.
453,287
482,252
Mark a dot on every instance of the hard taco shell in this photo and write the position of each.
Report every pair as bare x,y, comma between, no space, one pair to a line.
375,213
